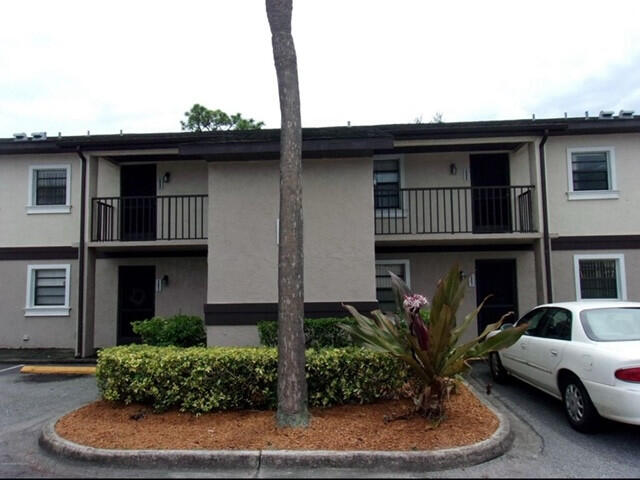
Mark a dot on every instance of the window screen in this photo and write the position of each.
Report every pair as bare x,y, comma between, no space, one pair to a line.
384,293
386,180
51,187
49,287
590,171
598,279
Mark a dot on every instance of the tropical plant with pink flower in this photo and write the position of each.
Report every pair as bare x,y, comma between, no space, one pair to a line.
426,335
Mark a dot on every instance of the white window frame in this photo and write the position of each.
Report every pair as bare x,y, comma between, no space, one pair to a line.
620,272
611,193
407,268
32,208
383,212
32,310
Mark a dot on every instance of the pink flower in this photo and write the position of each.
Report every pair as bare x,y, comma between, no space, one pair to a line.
414,302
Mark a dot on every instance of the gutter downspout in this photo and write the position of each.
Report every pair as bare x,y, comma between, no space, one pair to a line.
80,327
545,218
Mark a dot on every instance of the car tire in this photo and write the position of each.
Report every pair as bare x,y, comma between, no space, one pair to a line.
578,407
498,373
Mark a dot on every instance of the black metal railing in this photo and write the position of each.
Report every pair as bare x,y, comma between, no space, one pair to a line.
168,217
499,209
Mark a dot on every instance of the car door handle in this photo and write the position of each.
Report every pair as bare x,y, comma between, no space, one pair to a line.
554,352
523,346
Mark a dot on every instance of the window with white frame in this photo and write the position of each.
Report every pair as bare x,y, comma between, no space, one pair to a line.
387,182
49,189
591,173
47,290
384,292
600,276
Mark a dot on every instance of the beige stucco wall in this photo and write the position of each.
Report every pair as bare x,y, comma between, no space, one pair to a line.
43,332
43,229
108,178
232,336
427,268
338,231
594,217
185,293
564,286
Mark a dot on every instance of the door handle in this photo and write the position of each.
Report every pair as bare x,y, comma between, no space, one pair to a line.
554,352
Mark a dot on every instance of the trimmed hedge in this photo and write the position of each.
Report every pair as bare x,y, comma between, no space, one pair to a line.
318,333
179,331
200,380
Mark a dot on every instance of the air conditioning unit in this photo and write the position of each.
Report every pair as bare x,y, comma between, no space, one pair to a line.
606,114
625,114
39,136
20,137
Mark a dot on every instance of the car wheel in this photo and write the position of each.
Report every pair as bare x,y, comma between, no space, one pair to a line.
498,372
578,407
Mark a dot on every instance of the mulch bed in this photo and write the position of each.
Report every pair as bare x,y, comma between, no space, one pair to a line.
348,427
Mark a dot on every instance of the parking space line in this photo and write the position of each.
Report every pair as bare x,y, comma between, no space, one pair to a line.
11,368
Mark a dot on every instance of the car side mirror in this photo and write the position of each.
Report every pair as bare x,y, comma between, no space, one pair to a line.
506,326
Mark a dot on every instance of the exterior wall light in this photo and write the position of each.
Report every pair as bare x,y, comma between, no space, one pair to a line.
166,177
453,169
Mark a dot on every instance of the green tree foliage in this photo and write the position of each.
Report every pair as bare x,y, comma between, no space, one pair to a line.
426,337
201,119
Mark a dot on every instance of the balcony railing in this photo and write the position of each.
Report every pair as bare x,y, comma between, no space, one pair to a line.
169,217
499,209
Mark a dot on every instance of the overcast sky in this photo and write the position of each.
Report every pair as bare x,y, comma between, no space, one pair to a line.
138,66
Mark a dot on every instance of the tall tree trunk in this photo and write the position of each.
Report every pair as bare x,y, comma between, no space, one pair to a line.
292,383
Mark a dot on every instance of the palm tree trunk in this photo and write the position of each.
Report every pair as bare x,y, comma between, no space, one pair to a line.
292,384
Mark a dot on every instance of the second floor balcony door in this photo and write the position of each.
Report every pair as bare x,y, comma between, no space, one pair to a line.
490,193
138,208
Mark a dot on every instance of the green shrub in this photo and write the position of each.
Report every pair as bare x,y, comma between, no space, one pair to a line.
318,333
179,331
204,379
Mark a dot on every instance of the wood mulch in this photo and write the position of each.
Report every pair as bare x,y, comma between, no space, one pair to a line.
348,427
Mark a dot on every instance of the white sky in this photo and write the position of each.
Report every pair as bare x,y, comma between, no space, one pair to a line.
73,66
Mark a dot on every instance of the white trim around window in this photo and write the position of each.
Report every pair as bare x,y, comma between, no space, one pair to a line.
620,272
609,194
32,207
407,268
33,310
393,212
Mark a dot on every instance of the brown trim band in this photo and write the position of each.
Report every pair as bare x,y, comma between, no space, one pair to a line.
38,253
252,313
152,253
596,242
454,248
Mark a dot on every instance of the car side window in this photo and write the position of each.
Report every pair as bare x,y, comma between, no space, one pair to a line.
557,324
534,319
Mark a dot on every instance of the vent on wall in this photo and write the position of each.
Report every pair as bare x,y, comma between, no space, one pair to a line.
20,137
606,114
625,114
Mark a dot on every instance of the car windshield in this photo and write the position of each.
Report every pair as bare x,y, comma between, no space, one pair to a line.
611,324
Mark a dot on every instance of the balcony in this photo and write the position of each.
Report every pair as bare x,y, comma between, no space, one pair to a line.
454,210
149,218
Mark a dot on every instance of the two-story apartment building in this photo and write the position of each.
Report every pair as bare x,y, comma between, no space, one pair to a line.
103,230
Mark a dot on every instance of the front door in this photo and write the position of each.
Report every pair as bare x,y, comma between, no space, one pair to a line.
136,299
138,208
490,194
498,279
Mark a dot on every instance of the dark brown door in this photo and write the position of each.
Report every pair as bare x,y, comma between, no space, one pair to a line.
138,207
136,299
490,195
497,278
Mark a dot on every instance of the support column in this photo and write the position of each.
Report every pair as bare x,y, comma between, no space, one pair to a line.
89,274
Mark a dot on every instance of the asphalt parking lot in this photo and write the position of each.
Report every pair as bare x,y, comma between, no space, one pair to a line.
545,446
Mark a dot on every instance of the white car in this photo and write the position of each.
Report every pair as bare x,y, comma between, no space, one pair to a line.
586,353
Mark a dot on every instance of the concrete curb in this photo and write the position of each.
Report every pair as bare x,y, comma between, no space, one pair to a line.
381,461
